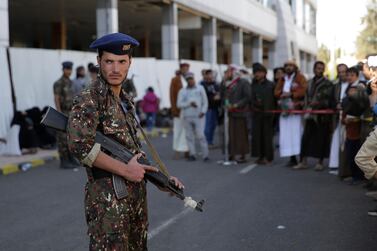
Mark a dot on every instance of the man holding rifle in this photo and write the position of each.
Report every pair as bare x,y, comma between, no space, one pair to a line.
113,224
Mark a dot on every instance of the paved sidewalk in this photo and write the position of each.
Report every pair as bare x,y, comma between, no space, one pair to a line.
15,164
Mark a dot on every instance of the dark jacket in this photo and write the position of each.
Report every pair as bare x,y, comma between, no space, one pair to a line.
319,94
239,95
212,89
262,96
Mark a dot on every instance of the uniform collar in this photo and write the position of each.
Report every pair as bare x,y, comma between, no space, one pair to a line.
104,89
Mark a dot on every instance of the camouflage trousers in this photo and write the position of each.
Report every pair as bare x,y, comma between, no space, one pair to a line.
63,146
113,224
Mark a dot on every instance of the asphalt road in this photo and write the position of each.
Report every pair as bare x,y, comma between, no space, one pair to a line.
247,207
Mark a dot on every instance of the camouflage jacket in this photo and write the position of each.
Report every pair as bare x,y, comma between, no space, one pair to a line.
97,108
63,88
320,94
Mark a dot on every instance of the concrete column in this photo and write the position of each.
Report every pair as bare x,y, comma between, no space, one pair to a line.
303,62
257,49
4,23
272,62
210,40
169,31
107,17
237,47
309,65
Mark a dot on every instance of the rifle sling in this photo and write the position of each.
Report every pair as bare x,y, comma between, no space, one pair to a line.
151,148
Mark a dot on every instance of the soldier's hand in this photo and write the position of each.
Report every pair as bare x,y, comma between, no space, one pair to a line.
135,171
193,104
177,182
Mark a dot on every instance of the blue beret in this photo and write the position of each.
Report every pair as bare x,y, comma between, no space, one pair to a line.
67,65
116,43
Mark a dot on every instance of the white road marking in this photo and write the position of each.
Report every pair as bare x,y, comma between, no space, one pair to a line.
248,169
167,223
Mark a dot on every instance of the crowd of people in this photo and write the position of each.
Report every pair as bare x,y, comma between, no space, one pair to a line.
303,118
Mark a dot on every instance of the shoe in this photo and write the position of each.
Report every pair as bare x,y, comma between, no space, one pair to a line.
334,171
319,167
291,163
206,159
211,146
191,158
355,182
300,166
259,161
370,186
372,212
241,160
371,194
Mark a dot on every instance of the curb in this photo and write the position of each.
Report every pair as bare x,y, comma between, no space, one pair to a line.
12,168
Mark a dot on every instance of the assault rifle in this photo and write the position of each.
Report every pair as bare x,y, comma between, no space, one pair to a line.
58,121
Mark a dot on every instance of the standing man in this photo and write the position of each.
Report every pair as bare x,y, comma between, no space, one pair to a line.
316,138
63,95
340,88
113,224
179,136
93,74
214,100
355,105
290,92
192,100
262,101
80,82
237,92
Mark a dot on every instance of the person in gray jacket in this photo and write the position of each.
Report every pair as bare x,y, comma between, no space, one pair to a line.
193,103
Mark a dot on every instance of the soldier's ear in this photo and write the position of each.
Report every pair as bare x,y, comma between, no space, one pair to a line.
130,61
98,60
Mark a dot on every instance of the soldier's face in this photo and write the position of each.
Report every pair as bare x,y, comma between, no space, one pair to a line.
67,72
114,68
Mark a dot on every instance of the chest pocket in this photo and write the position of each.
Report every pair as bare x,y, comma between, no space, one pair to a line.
117,126
113,121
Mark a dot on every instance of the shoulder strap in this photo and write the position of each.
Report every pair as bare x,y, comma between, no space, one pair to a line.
153,151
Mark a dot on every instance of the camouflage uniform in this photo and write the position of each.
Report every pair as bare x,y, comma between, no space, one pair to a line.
112,224
63,89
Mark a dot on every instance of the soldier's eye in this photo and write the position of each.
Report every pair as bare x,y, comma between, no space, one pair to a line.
123,61
108,61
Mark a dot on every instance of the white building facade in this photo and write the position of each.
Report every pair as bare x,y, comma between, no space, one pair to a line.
36,36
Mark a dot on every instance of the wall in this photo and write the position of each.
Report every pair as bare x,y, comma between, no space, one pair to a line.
6,107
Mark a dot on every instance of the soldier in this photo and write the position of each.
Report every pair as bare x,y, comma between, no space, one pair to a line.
63,94
113,224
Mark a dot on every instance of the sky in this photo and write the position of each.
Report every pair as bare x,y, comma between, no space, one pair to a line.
339,22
